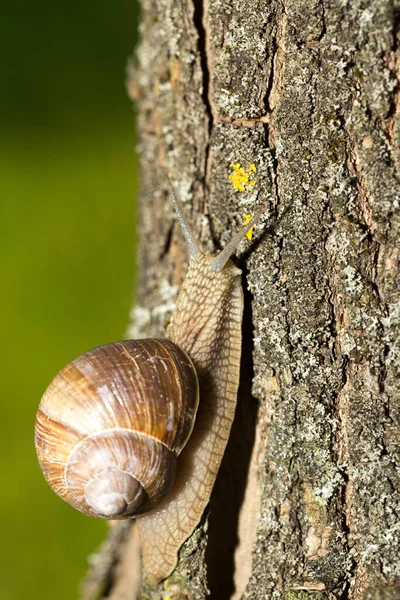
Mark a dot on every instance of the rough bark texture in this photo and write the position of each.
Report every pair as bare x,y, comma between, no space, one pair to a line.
307,91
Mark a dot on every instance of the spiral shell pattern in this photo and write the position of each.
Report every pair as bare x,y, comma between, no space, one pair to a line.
111,424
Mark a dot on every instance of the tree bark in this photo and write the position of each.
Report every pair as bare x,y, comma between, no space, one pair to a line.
307,502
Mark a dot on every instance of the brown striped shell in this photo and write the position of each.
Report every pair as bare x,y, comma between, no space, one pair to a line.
111,424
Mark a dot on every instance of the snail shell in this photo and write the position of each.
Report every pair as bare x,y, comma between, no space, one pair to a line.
111,424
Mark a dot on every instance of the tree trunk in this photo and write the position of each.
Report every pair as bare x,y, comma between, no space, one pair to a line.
307,502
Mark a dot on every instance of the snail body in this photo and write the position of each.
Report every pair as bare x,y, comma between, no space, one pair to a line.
117,433
214,345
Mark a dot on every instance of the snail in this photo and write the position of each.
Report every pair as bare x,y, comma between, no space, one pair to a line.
139,427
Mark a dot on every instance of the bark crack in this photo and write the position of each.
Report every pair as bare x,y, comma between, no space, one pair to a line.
343,456
274,87
201,25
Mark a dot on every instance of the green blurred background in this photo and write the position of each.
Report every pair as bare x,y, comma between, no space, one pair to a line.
67,233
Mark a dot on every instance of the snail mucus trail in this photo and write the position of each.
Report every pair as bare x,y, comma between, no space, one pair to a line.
113,422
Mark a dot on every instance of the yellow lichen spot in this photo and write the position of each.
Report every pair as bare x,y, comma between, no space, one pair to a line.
249,234
241,179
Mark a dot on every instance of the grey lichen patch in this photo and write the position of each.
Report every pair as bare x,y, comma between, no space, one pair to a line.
308,26
383,593
304,595
188,580
319,528
242,48
153,318
332,484
374,478
360,329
